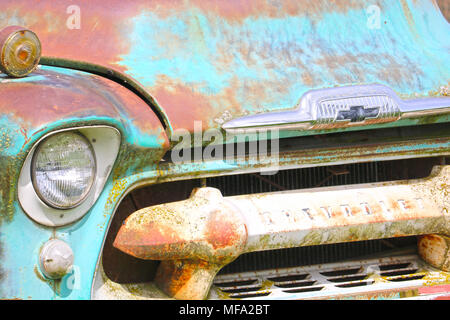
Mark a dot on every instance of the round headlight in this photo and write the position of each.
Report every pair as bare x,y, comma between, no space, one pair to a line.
63,170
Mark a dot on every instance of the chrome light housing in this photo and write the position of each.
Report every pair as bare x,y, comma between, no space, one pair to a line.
63,169
65,172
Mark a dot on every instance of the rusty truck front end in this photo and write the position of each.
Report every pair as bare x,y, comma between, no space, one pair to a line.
224,150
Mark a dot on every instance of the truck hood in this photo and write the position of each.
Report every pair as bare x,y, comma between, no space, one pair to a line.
213,61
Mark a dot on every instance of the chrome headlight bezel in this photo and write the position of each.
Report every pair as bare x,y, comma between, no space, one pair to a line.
38,191
105,141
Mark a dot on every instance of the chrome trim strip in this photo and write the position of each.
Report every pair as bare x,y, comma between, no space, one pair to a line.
342,107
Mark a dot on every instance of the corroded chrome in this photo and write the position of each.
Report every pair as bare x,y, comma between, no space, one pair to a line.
345,106
435,249
195,244
194,238
403,275
20,51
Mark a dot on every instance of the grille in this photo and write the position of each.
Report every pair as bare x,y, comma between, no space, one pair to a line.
323,176
311,255
323,281
122,268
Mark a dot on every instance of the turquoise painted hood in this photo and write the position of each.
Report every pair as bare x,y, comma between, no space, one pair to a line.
212,61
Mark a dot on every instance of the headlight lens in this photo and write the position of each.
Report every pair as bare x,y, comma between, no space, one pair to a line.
63,170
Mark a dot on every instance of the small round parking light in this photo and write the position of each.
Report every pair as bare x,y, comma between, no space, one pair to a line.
56,259
20,51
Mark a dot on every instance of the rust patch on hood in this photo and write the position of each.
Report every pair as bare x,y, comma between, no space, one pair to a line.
244,57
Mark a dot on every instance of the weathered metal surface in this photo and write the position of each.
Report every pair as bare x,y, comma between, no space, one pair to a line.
136,165
197,237
20,51
186,279
52,99
434,249
221,60
422,282
360,212
116,76
176,231
105,289
400,276
139,40
142,147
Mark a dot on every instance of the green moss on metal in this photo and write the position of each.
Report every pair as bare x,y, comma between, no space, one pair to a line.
10,171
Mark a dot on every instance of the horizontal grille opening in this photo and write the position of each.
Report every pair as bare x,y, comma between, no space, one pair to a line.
407,277
301,290
354,277
355,284
341,272
294,277
295,284
249,295
393,266
323,176
122,268
399,272
236,283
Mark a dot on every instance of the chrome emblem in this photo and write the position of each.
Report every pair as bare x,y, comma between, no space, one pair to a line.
357,113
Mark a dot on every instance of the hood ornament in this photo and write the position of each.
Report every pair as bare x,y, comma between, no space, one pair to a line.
341,107
20,51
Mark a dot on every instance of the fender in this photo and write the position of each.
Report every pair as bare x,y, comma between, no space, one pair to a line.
53,99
